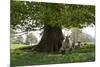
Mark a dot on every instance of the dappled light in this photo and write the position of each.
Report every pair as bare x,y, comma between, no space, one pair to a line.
51,33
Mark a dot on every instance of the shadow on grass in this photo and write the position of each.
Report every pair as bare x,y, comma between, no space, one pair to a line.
27,56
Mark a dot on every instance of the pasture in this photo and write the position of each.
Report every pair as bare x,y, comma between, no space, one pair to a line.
22,55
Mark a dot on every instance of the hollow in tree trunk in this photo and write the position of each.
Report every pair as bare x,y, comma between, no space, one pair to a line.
51,40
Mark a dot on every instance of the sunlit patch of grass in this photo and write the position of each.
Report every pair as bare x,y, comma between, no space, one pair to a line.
15,46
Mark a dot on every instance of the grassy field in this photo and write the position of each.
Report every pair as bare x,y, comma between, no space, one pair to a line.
22,57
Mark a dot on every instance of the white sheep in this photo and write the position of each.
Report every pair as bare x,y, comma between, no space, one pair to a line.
66,45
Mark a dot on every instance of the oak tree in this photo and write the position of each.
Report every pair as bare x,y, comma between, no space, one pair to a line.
51,17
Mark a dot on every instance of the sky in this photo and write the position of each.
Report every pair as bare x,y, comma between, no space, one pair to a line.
90,31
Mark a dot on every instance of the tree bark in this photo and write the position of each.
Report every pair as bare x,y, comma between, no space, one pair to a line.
51,40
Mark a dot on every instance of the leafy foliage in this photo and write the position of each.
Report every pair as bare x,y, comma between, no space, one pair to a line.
19,39
29,15
31,39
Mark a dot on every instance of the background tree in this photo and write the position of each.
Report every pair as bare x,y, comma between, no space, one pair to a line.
31,39
78,35
12,36
19,39
50,17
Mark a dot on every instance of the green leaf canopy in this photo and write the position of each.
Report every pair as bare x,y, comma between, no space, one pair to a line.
29,15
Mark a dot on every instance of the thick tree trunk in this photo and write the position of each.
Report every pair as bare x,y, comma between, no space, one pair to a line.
51,40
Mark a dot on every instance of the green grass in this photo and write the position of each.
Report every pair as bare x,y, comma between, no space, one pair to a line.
15,46
20,57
